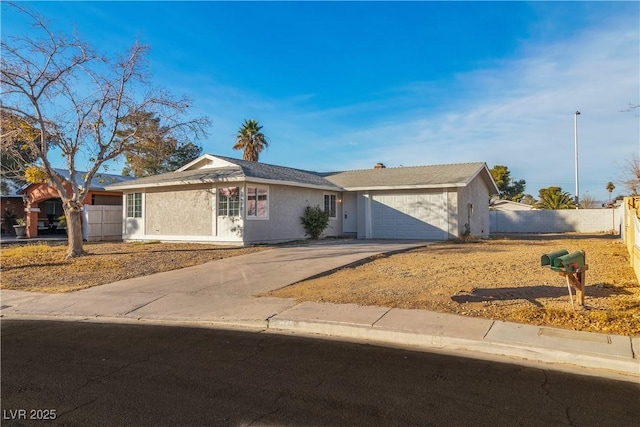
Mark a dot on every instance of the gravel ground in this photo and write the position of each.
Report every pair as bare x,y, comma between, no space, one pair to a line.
497,279
43,268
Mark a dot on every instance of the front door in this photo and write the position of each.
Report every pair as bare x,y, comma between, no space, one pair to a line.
349,213
229,221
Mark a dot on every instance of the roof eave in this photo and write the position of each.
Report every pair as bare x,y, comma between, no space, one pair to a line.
293,184
493,187
406,187
216,181
171,183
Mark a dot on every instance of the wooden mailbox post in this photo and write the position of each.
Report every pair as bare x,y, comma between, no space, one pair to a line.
573,267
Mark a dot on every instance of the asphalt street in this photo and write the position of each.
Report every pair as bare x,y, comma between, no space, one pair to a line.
86,374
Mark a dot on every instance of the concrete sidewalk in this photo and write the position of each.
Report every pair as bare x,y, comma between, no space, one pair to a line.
223,293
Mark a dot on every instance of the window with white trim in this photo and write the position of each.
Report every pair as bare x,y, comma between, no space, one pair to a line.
134,205
229,201
257,202
330,205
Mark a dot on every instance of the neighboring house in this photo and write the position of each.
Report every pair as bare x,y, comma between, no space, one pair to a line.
508,205
11,206
226,200
43,205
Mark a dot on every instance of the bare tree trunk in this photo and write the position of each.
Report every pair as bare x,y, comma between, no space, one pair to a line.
73,214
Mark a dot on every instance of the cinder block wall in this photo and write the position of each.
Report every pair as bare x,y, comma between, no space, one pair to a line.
556,221
631,231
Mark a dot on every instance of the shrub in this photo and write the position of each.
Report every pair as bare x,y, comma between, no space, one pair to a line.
315,220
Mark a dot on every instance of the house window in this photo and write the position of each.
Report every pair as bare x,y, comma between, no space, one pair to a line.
330,205
53,208
229,201
257,202
134,205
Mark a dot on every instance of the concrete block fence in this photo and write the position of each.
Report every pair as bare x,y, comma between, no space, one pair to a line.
557,221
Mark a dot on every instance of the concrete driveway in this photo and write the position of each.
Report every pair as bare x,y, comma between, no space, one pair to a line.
221,291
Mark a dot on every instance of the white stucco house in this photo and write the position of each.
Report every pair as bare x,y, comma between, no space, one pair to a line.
232,201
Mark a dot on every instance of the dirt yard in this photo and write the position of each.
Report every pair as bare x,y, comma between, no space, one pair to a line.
497,279
42,267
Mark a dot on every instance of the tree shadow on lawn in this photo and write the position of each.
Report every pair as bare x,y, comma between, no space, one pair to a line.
532,293
38,265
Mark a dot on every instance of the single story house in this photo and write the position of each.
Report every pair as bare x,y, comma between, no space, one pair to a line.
43,205
11,206
232,201
509,206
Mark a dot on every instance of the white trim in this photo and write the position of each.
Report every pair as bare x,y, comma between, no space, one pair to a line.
406,187
368,223
177,183
167,238
223,181
489,176
292,184
205,157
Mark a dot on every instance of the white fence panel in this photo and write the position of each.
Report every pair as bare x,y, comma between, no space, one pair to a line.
102,222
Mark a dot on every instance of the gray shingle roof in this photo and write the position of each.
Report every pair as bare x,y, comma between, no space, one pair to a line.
278,173
99,181
184,177
423,176
243,170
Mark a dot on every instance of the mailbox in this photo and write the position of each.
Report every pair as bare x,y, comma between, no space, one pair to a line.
547,259
569,263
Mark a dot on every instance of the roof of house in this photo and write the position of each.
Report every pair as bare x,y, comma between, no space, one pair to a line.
434,176
279,173
208,168
10,189
231,170
99,182
510,205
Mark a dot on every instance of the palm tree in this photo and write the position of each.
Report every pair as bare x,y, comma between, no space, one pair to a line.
251,140
555,198
610,188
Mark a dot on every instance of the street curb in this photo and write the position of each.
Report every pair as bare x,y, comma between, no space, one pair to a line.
249,324
627,369
624,366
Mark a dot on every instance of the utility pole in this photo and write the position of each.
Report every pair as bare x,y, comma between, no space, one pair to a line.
575,133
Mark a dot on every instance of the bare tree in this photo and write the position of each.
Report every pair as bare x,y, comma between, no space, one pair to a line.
77,102
631,171
587,201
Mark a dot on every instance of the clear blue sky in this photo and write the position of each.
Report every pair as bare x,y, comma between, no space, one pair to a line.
346,85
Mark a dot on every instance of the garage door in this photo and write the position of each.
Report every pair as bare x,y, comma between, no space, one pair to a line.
409,216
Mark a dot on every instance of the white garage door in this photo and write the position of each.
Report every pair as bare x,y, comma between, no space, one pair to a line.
409,216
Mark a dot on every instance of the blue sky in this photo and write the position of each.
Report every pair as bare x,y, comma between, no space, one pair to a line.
344,85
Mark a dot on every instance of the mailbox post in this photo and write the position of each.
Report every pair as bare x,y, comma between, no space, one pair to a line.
572,266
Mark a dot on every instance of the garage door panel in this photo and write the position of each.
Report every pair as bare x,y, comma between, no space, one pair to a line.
409,216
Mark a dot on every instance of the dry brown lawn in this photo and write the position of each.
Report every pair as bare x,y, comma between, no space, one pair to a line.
43,267
497,279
